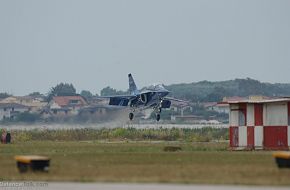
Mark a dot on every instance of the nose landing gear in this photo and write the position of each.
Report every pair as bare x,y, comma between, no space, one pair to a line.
158,111
131,116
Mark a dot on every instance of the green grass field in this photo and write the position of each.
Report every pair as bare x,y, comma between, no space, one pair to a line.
88,161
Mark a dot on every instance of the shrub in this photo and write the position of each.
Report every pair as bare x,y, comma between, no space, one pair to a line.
174,134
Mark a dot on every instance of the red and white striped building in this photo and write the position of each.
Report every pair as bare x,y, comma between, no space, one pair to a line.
260,124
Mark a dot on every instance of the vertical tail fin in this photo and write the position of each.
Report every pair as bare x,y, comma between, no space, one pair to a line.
132,86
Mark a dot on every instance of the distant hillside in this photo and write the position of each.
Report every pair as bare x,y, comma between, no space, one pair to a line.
205,91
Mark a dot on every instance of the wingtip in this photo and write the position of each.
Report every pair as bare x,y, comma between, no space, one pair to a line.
129,75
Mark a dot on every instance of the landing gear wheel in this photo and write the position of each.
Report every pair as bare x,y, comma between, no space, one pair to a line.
131,116
157,117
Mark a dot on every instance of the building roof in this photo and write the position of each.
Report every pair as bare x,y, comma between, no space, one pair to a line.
11,98
209,104
257,101
67,100
233,98
179,103
222,105
12,105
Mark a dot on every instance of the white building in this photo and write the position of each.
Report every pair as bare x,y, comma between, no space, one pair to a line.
10,110
260,124
218,107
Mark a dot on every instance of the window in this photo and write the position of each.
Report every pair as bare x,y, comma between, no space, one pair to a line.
242,118
74,101
238,115
242,114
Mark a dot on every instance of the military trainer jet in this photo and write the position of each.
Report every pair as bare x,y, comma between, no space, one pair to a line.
149,97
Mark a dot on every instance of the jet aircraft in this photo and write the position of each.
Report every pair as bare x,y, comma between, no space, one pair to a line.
153,96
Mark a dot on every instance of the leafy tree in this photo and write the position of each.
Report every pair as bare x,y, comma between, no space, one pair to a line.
111,91
62,89
206,91
87,94
4,95
217,94
35,94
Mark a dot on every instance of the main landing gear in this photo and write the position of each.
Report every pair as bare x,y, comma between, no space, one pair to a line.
158,111
157,116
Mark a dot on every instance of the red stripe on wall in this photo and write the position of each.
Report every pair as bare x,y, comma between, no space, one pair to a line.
258,109
250,137
288,113
234,136
275,137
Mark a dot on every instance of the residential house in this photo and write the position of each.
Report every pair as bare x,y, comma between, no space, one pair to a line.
100,112
180,106
35,104
66,105
217,107
10,110
96,101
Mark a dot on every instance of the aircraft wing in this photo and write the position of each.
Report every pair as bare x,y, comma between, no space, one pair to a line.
166,103
176,100
120,100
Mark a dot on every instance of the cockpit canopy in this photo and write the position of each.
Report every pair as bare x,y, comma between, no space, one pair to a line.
154,87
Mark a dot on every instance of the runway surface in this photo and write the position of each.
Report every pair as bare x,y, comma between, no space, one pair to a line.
132,186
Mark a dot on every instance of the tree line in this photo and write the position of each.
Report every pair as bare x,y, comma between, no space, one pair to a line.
203,91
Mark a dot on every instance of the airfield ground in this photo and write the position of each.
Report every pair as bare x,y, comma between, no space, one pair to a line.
144,162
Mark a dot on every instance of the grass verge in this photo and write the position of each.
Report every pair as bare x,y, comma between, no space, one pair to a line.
87,161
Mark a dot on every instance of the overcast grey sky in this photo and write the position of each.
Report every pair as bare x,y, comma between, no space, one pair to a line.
93,44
